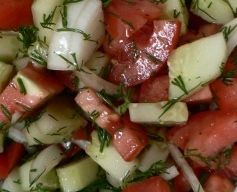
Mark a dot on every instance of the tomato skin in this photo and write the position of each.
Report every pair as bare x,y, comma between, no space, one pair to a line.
15,13
206,132
218,183
123,18
152,184
145,53
130,140
181,184
9,158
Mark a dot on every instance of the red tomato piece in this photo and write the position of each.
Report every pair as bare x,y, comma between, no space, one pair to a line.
9,158
14,101
145,53
130,140
181,184
152,184
90,102
15,13
218,183
207,132
123,18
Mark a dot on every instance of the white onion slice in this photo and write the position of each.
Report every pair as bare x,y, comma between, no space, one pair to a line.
230,32
170,173
17,135
21,63
86,17
235,189
90,79
15,117
187,170
45,161
82,143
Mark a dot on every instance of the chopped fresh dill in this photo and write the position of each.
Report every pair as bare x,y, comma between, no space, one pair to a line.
48,20
106,2
21,86
6,112
227,30
37,178
104,138
94,115
36,56
63,14
227,76
39,188
27,35
176,13
65,2
178,81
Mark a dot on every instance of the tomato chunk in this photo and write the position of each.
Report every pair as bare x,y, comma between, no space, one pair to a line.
207,132
123,18
9,158
15,13
130,140
232,166
12,100
145,53
152,184
218,183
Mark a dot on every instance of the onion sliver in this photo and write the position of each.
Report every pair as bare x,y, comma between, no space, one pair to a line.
45,162
90,79
187,170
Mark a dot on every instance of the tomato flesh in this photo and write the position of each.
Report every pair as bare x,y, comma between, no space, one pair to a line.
9,158
15,13
152,184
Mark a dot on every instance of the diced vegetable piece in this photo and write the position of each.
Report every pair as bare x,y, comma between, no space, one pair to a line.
103,116
49,181
9,46
73,44
152,184
233,5
230,33
77,175
91,80
56,123
187,64
218,182
158,113
15,14
177,10
98,62
217,11
45,16
13,183
110,160
157,151
45,161
6,72
9,158
170,173
187,170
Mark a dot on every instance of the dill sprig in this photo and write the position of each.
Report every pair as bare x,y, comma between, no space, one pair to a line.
104,138
48,20
106,2
227,76
6,112
179,82
227,30
156,169
27,35
21,86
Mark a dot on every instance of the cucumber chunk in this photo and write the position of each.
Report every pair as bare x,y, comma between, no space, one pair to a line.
156,113
176,9
49,181
217,11
193,65
110,160
6,72
9,46
77,175
56,123
41,10
13,183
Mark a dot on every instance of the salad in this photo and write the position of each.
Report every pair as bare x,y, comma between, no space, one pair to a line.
118,95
